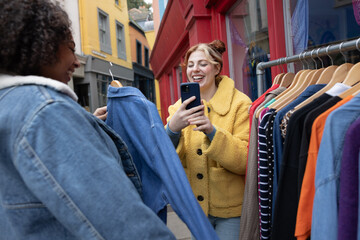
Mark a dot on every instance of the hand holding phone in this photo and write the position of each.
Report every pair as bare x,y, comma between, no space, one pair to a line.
188,90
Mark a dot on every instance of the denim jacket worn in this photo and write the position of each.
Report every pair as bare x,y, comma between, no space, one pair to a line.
164,180
63,173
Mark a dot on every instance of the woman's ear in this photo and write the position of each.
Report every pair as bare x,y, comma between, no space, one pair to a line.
217,69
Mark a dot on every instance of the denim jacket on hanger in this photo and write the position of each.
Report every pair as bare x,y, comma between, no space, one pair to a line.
164,181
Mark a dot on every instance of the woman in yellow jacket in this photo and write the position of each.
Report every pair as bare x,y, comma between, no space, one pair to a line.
212,139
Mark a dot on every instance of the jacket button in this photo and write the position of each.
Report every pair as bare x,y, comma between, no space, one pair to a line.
199,152
200,198
199,176
208,109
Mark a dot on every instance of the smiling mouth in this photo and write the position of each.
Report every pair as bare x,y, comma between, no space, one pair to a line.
69,75
197,78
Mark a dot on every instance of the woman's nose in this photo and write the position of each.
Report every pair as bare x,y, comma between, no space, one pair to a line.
76,62
196,67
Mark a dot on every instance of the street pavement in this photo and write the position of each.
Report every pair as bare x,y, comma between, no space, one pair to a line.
177,226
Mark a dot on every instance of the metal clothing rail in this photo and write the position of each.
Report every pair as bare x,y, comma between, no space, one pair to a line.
322,51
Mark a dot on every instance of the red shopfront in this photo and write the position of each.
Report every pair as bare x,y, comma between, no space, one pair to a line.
188,22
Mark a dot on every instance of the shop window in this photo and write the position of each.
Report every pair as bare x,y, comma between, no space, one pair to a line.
120,40
333,22
104,32
103,82
146,86
319,23
83,93
248,44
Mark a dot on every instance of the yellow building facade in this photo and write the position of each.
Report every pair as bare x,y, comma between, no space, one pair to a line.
89,20
105,40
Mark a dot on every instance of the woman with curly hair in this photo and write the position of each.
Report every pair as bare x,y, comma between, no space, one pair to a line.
63,173
211,139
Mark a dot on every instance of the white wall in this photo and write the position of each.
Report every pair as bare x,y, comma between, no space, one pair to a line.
72,9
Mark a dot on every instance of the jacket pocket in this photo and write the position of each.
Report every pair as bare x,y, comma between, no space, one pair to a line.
226,188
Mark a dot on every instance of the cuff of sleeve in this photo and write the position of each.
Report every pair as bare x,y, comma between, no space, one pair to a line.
169,132
212,134
174,136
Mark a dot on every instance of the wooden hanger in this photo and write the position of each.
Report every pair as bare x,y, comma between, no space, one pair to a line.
340,73
352,79
116,83
298,77
278,78
295,81
353,75
357,92
293,84
315,76
337,77
351,91
310,79
287,79
300,81
326,75
305,76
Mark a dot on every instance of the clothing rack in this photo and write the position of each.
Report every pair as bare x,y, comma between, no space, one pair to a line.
318,52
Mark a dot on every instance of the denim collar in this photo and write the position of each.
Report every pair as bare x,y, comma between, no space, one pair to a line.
7,81
124,92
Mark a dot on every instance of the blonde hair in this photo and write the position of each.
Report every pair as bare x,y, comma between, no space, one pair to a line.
213,52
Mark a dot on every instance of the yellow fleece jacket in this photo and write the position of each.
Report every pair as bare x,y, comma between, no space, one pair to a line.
216,169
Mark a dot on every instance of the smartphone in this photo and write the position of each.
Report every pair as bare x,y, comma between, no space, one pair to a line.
188,90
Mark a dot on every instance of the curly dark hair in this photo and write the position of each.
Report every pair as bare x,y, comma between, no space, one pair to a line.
30,34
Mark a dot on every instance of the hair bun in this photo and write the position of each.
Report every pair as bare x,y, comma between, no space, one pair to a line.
218,45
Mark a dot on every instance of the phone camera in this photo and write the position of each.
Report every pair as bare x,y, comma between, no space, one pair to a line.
186,88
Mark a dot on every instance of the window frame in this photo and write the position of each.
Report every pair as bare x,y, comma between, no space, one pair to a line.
138,52
103,82
104,30
120,42
146,57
